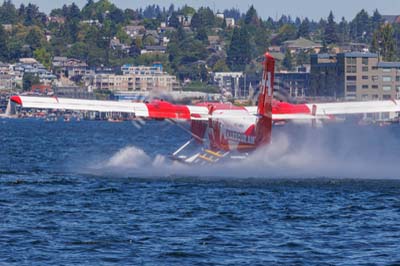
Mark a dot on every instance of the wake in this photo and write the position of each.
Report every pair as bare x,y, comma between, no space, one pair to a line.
341,153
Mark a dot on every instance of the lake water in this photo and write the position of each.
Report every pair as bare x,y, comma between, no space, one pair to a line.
98,193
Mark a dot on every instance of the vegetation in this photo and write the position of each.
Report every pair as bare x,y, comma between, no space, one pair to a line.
87,34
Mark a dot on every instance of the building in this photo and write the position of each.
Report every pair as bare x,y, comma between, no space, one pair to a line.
301,45
156,69
354,76
292,84
73,92
153,49
134,78
228,82
230,22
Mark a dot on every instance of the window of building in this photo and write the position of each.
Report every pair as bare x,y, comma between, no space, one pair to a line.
398,88
365,77
351,88
374,78
386,78
386,88
375,97
351,78
365,69
365,86
386,70
351,60
374,86
364,97
397,78
386,96
351,69
365,60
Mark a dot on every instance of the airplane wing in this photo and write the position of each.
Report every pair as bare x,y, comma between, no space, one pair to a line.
155,109
287,111
163,109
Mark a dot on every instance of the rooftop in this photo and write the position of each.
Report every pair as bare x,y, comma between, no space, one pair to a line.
388,65
302,43
359,54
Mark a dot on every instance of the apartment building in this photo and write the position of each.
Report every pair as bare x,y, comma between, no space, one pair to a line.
134,78
354,76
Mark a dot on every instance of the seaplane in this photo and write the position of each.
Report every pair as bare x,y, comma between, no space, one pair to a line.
220,131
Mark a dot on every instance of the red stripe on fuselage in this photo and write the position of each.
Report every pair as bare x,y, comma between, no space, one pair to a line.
288,108
161,109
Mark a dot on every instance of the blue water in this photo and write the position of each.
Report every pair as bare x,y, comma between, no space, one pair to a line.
67,197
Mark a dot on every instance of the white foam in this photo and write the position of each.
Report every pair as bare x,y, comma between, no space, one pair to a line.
315,156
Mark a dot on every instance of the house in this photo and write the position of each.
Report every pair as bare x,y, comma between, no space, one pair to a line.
154,49
230,22
7,27
135,30
56,19
301,44
215,42
220,15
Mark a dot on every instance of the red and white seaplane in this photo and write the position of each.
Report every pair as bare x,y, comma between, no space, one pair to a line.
221,130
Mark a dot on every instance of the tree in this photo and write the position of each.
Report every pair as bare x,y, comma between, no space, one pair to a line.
302,58
330,34
174,21
239,50
204,17
34,38
343,31
384,43
376,20
3,44
288,60
43,57
8,13
304,29
28,80
202,35
360,27
251,17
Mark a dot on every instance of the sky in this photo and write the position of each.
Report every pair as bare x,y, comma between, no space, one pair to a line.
314,9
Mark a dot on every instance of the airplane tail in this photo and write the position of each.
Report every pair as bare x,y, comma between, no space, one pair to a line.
264,109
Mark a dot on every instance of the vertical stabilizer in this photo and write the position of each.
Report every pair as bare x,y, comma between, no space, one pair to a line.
264,109
11,108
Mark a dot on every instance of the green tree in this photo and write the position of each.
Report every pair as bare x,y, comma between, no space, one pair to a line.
302,58
3,44
330,35
251,17
43,57
288,60
174,21
376,20
204,17
384,43
343,31
360,27
286,32
202,35
238,54
220,66
28,80
304,29
34,38
8,13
